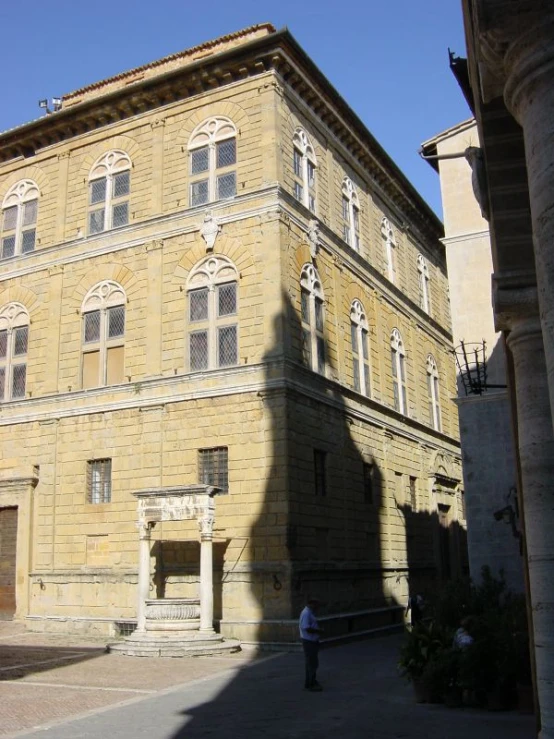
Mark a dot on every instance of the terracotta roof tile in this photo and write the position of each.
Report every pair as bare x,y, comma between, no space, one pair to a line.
206,46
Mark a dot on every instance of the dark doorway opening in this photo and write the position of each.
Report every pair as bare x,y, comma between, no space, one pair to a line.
8,548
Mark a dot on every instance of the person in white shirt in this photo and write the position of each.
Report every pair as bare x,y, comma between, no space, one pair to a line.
309,634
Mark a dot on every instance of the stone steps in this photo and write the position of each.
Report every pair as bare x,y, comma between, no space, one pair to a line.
199,645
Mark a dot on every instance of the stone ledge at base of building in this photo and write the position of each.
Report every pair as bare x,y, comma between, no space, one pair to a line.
98,626
262,634
282,634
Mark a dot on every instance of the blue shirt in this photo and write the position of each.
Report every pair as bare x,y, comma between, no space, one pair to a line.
308,621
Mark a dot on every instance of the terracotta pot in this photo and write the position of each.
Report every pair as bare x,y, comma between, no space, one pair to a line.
420,691
525,701
453,697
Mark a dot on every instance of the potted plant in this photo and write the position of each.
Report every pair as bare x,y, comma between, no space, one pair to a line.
422,644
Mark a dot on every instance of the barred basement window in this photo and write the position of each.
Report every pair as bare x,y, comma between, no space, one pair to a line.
350,214
213,158
213,467
413,493
212,315
14,341
99,481
320,483
312,319
398,362
19,219
304,166
359,333
423,274
368,482
387,235
109,189
103,345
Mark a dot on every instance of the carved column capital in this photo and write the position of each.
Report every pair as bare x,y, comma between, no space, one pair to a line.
513,46
206,526
154,245
144,529
515,298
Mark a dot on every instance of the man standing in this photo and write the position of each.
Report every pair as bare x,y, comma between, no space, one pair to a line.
309,634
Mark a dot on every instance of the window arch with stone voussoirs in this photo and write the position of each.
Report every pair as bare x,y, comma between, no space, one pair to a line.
398,364
312,319
212,314
109,192
103,335
389,242
423,278
359,335
433,390
350,214
19,219
212,151
304,169
14,341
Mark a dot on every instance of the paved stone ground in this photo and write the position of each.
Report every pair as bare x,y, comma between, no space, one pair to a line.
57,687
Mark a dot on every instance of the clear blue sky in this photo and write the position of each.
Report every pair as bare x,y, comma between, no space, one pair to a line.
388,59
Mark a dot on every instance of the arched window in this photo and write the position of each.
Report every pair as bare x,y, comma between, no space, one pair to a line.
212,314
390,248
313,339
103,349
398,361
304,165
109,188
359,332
213,157
19,219
423,274
350,214
433,390
14,340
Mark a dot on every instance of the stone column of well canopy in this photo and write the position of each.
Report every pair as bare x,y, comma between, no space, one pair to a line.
206,524
175,627
145,530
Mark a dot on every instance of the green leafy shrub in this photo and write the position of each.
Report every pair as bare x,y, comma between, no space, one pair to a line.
497,659
423,642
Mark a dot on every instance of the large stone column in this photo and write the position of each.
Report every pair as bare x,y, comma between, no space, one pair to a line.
528,60
145,531
536,450
206,524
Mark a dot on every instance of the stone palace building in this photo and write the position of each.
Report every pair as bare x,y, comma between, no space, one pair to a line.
211,273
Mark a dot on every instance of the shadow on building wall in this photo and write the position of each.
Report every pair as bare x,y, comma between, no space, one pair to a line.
328,543
490,473
436,548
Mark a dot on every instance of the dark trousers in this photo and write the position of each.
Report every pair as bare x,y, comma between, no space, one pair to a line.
311,650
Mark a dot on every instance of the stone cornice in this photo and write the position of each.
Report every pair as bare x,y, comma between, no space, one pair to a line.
277,52
17,483
466,237
154,231
291,378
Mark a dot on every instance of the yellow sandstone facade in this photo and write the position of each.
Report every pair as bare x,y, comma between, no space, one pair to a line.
211,272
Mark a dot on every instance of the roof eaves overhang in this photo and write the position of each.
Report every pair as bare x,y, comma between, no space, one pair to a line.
143,95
